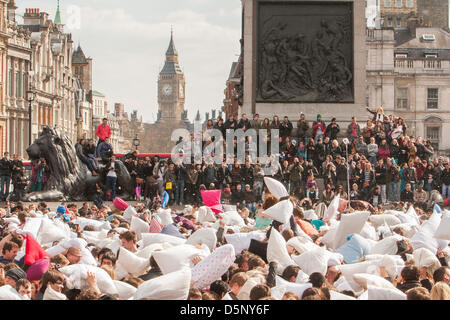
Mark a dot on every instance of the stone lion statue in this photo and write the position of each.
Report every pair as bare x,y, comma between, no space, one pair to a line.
70,179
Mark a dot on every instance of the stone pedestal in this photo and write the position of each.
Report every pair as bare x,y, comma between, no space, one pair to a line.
304,57
157,137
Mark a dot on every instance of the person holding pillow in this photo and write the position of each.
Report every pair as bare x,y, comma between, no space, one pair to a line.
236,283
74,255
129,240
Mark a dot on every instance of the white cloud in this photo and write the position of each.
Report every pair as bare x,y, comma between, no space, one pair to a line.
128,40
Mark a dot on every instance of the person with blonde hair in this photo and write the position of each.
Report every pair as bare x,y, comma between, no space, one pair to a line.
440,291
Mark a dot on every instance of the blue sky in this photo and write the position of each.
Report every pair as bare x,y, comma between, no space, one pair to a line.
128,39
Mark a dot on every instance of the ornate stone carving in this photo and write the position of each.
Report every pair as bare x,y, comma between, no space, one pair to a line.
305,52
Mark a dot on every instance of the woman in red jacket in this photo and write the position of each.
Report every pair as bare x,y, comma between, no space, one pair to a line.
383,150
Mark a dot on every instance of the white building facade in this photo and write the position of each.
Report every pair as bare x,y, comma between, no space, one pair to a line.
408,73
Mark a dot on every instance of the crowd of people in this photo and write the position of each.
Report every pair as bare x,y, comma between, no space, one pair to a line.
380,164
377,231
283,253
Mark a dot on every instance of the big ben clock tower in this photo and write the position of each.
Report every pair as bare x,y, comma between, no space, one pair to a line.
171,87
171,100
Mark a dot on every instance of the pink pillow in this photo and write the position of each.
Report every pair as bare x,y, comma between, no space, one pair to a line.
37,269
119,204
211,198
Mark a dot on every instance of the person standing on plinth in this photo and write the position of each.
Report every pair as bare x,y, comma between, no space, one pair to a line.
103,132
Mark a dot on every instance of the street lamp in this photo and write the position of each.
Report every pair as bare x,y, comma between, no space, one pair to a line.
136,142
31,95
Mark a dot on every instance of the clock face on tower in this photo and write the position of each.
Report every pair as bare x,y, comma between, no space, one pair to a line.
167,90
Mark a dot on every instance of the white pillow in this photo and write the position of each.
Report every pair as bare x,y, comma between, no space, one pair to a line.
276,250
330,235
151,238
114,246
146,252
241,241
302,277
343,285
66,244
369,232
125,290
348,270
278,292
349,224
425,258
165,217
172,286
119,230
296,288
281,212
213,266
332,209
232,218
98,225
410,228
377,293
139,226
128,262
244,293
227,207
178,257
313,261
381,219
205,214
424,238
12,220
334,295
100,235
365,279
302,244
276,188
203,236
443,231
363,296
32,226
391,263
408,217
87,257
9,293
77,275
310,215
52,231
386,246
129,213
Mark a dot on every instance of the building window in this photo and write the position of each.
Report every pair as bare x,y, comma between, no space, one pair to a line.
387,3
398,3
389,21
399,22
25,86
17,78
367,96
11,83
409,4
434,135
433,98
431,56
402,98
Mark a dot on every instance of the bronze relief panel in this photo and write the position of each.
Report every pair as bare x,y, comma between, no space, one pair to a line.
305,52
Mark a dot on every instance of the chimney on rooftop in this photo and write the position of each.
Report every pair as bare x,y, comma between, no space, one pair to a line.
31,16
413,23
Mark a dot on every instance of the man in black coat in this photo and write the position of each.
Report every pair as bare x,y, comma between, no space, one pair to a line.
5,175
332,130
